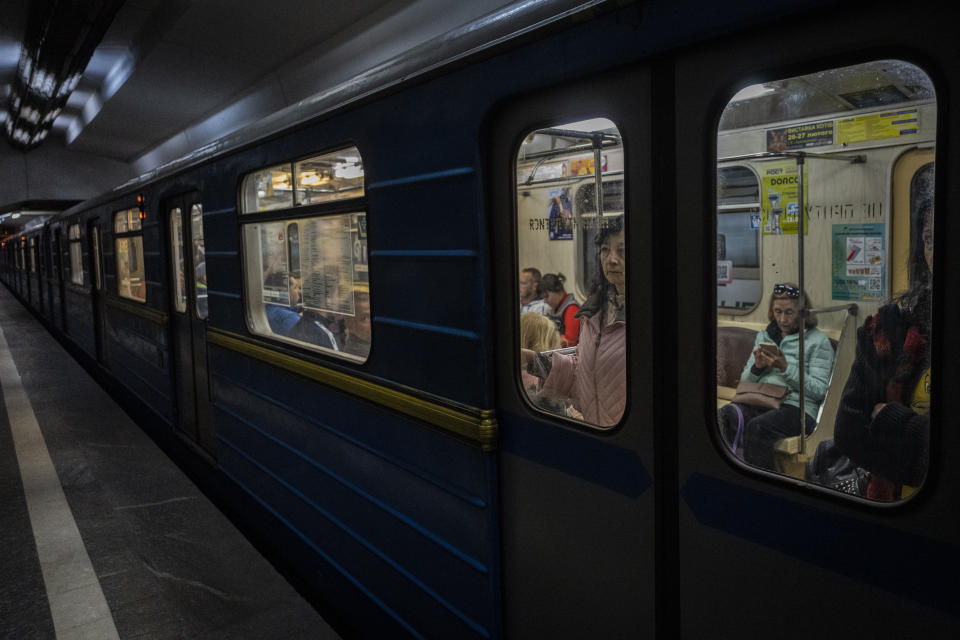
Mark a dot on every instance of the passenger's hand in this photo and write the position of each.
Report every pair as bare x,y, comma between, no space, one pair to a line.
877,408
526,357
780,362
760,359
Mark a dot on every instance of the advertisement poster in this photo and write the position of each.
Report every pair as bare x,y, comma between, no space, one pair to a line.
859,261
358,234
724,271
326,253
877,126
779,198
560,214
813,134
273,259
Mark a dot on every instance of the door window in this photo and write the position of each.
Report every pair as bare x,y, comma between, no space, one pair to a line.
128,239
572,269
805,230
176,251
199,261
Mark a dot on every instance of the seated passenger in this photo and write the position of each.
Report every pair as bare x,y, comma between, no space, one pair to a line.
538,333
357,327
595,377
316,329
282,318
531,297
882,422
563,308
779,364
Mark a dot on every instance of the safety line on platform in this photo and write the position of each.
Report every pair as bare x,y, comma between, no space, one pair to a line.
77,604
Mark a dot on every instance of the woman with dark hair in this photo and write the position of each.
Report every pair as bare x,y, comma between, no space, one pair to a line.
563,306
883,423
776,360
595,377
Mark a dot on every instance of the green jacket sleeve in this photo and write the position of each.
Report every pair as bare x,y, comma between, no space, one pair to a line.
819,364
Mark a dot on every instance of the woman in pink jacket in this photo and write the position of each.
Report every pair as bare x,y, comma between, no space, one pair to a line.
595,377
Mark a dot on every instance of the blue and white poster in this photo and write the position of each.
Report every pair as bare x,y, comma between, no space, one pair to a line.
560,214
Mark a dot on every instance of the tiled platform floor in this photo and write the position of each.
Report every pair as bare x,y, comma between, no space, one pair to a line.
169,564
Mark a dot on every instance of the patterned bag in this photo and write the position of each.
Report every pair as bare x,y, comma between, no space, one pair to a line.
829,467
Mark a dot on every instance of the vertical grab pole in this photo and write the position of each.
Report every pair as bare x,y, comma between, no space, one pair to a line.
597,140
803,315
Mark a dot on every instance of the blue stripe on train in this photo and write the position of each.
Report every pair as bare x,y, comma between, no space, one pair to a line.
581,455
911,566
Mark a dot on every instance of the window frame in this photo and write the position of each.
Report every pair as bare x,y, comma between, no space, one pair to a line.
298,213
783,478
73,241
621,175
128,234
742,311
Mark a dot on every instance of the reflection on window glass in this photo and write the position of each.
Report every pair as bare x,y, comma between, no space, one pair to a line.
314,291
572,271
176,251
128,250
97,273
325,178
33,255
333,176
268,189
831,233
199,260
76,255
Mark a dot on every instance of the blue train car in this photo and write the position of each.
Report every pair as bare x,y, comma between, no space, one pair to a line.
318,318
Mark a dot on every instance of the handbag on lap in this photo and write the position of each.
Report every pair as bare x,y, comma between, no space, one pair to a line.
760,394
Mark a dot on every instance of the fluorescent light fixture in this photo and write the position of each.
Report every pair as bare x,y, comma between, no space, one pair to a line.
752,91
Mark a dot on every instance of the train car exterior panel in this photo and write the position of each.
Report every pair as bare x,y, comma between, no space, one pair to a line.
789,530
81,329
140,359
414,551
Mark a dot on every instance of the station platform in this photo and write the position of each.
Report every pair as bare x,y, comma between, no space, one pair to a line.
103,536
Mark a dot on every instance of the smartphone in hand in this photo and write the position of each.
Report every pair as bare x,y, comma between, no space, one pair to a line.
770,349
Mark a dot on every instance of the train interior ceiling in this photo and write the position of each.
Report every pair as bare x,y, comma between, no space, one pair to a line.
663,299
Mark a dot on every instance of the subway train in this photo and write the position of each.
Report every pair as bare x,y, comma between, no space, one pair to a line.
318,318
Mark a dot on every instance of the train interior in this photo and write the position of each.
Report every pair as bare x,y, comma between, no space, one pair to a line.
864,138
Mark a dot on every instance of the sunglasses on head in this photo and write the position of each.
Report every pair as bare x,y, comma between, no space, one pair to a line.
786,290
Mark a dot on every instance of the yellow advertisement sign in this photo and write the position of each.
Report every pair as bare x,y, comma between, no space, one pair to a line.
877,126
780,198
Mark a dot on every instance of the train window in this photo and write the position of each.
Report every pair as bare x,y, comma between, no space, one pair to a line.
268,189
332,176
76,254
176,251
570,228
825,226
306,276
739,287
128,245
199,260
33,255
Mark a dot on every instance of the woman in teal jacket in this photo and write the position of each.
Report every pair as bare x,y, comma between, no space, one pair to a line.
763,427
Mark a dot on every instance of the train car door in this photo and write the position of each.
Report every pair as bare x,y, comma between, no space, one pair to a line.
576,462
61,281
189,313
771,542
96,291
47,273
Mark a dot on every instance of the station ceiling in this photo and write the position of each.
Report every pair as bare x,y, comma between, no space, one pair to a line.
170,76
